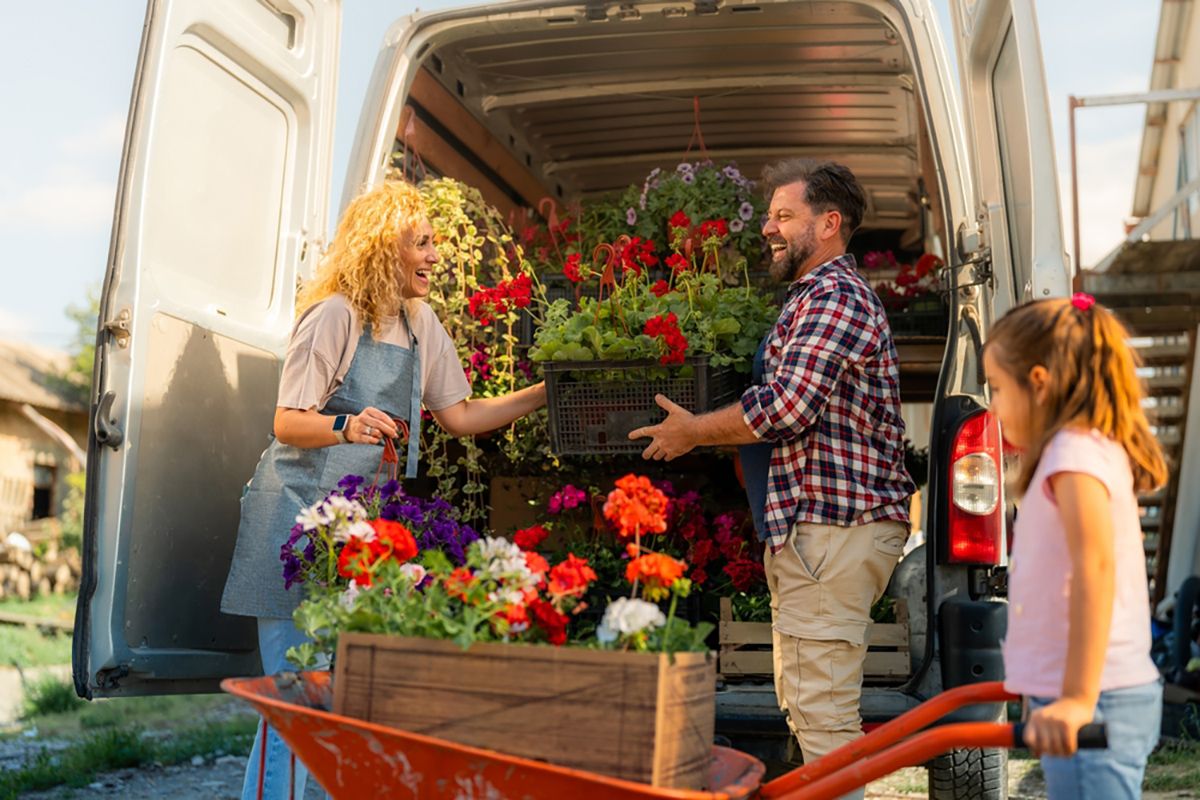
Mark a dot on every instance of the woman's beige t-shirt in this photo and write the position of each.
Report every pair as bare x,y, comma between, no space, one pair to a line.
323,343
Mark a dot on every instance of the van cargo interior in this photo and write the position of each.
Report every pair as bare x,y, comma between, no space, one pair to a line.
568,107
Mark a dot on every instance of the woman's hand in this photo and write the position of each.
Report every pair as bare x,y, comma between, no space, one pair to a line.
1053,730
369,426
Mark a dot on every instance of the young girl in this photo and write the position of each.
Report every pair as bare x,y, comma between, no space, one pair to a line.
1064,385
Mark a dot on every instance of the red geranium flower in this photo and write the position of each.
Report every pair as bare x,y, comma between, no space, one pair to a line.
716,227
571,268
392,540
552,621
570,578
667,327
660,288
677,262
529,538
745,573
679,220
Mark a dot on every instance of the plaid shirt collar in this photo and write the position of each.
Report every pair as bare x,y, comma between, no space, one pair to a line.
843,262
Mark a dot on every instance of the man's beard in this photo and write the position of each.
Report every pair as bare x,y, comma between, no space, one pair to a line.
785,268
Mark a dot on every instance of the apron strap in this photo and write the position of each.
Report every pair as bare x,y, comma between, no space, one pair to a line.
414,408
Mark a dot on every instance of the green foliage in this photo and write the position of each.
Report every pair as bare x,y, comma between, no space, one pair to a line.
114,748
50,695
120,746
29,647
721,322
75,381
477,249
701,189
71,518
1174,766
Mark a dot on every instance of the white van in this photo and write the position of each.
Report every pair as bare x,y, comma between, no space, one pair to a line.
222,206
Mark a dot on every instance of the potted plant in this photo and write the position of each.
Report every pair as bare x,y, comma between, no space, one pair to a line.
466,638
681,320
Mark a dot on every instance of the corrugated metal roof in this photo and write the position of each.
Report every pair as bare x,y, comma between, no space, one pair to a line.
27,376
1164,74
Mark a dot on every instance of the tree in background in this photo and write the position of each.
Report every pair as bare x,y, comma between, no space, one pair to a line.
75,382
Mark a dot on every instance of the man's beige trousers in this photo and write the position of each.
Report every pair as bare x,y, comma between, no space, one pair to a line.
823,584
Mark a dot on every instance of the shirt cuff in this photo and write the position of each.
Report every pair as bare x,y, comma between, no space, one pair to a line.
756,419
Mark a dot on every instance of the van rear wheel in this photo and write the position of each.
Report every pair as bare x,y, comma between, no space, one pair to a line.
969,774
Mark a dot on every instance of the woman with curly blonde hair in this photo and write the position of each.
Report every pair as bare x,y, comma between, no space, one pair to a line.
365,353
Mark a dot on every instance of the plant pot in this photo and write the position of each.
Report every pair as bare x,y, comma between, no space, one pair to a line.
644,717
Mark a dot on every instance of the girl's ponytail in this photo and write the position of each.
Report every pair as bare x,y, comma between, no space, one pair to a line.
1093,380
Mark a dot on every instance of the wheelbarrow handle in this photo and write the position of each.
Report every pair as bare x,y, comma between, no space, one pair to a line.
917,750
1093,736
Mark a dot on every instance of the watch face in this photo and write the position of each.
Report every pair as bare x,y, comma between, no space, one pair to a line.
339,422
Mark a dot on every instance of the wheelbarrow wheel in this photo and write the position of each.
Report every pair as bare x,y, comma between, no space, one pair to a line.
969,774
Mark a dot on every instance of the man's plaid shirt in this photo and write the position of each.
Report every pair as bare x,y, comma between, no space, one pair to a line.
830,403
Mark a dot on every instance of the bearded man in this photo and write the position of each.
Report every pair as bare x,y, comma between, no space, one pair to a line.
822,451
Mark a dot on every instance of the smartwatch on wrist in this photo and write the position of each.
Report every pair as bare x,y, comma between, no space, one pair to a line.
339,427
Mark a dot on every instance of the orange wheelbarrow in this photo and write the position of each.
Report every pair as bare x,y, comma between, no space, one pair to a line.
355,759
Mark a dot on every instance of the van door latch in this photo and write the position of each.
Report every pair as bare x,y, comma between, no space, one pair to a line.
106,430
121,327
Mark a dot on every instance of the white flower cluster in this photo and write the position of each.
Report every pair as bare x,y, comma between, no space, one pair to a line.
627,616
345,518
504,562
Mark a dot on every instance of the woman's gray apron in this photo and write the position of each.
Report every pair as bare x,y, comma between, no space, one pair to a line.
756,458
289,479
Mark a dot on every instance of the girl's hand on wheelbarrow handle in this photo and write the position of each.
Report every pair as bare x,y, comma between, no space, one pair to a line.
1092,736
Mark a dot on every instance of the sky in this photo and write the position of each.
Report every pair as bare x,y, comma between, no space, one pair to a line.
64,117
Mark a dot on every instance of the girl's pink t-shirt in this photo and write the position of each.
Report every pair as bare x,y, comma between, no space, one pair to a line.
1039,574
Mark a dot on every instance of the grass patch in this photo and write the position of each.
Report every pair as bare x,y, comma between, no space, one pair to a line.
118,748
152,713
27,647
1174,765
53,606
50,695
75,766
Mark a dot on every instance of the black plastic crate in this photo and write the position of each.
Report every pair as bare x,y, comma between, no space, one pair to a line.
594,405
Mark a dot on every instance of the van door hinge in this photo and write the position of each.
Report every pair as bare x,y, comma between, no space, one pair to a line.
121,327
970,238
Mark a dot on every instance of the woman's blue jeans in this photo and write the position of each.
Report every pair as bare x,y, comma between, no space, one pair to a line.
284,775
1133,718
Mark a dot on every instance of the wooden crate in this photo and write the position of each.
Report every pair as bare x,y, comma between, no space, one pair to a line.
639,716
746,647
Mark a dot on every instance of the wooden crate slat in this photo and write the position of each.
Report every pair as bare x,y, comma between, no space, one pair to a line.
755,637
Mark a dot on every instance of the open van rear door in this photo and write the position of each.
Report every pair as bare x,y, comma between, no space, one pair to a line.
1012,150
222,199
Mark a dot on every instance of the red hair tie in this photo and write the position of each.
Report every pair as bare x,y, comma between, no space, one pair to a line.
1083,301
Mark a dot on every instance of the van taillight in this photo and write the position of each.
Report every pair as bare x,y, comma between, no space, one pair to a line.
976,492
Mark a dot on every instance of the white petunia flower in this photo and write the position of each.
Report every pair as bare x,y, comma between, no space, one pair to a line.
626,616
414,572
358,529
348,597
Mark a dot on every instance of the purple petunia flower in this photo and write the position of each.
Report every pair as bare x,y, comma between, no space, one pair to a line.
630,216
736,226
688,178
732,172
746,211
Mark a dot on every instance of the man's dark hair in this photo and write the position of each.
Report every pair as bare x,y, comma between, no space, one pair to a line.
827,185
